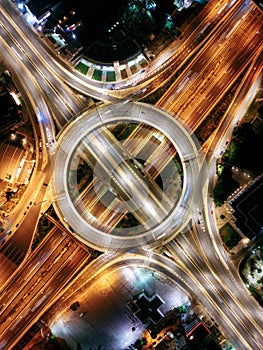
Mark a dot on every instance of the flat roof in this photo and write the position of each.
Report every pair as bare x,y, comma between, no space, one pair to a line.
248,208
10,159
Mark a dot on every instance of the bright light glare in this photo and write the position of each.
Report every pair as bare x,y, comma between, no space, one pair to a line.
15,97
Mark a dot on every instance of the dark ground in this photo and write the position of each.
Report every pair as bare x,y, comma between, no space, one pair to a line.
99,16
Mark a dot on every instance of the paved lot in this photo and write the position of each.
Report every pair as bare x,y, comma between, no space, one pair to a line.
106,320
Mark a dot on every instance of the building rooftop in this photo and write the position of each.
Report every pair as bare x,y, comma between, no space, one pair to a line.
148,308
9,111
11,159
248,208
200,337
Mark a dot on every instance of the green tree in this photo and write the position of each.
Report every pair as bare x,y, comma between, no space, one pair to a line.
225,186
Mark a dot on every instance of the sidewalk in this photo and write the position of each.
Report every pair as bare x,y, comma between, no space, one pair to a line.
223,215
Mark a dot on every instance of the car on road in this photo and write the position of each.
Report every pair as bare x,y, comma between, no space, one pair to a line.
74,305
170,334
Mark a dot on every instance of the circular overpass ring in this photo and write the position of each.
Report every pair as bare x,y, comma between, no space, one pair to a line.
129,171
75,134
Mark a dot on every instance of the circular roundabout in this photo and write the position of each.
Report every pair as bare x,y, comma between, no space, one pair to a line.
125,176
